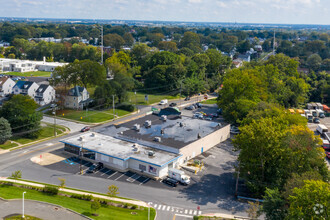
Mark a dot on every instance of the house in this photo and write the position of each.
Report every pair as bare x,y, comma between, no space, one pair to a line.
77,98
245,57
6,86
25,88
238,63
45,94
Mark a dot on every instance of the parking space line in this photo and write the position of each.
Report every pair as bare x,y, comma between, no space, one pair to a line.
199,212
112,175
100,170
164,207
133,178
190,212
186,211
168,208
106,172
195,212
159,207
155,205
120,176
145,181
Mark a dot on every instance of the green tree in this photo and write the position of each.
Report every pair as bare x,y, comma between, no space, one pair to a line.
312,201
314,62
95,205
11,56
16,174
5,130
168,46
129,40
191,40
274,205
113,191
21,113
114,40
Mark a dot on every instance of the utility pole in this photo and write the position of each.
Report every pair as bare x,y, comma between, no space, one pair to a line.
23,206
101,44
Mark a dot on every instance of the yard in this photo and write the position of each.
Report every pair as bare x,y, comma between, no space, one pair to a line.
81,206
90,116
139,98
29,74
210,101
45,132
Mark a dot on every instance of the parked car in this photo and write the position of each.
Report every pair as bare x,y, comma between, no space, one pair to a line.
316,120
234,130
207,118
219,111
172,104
163,102
327,153
187,98
85,129
95,167
198,115
190,107
171,182
199,105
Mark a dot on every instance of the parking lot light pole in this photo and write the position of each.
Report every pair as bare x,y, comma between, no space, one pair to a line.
23,206
81,156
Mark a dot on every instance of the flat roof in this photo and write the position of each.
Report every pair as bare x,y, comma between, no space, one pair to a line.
174,135
119,149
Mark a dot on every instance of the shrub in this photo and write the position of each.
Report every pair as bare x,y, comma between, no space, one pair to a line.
125,205
195,217
95,205
50,190
134,207
126,107
85,197
17,174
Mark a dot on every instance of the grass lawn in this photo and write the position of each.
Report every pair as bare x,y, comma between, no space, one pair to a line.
152,98
19,217
210,101
8,145
29,74
45,132
91,116
81,206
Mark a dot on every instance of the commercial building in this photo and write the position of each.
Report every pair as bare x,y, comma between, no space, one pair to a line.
150,144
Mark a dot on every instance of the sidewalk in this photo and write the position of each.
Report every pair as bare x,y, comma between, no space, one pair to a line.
134,202
225,216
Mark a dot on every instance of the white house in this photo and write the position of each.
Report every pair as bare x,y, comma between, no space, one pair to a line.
6,86
77,98
25,88
45,94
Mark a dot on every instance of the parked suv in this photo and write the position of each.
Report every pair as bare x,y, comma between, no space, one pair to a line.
171,182
95,167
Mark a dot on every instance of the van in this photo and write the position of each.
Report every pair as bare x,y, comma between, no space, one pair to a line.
322,129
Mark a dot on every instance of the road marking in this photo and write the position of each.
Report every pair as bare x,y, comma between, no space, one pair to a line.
199,212
38,149
190,212
155,205
49,144
195,212
112,175
186,211
133,178
187,216
168,208
164,207
106,172
159,207
99,170
120,176
145,181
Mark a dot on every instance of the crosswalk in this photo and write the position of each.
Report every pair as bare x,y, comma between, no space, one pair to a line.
176,209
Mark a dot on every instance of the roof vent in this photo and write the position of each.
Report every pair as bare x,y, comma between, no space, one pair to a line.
93,134
162,131
81,138
147,123
157,139
198,136
181,124
136,148
136,127
151,153
163,117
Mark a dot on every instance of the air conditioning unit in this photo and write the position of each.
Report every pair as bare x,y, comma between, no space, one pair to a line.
157,139
136,127
151,153
147,123
81,139
163,117
136,148
93,134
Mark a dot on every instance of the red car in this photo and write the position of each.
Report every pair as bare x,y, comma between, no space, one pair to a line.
327,153
85,129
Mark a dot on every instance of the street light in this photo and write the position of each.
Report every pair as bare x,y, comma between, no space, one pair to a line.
23,205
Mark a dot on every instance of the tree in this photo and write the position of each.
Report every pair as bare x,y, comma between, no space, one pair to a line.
95,205
191,40
21,113
274,205
5,130
253,210
16,174
168,46
218,63
113,191
114,40
312,201
62,182
11,56
314,62
129,40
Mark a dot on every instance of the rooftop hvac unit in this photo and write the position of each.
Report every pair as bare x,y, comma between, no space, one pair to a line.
157,139
147,123
93,135
181,124
136,127
163,117
136,149
151,153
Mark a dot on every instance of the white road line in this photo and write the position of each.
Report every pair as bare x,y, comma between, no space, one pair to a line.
99,170
159,207
168,208
190,212
164,207
112,175
120,176
155,206
199,212
195,212
106,172
186,211
133,178
145,181
187,216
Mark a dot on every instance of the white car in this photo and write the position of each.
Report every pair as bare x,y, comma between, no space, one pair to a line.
163,102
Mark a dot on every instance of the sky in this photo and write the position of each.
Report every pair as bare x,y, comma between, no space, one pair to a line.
240,11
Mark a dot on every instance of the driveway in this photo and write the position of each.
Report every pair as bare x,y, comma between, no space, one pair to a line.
73,126
37,209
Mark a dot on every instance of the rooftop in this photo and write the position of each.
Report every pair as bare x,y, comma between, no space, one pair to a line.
173,135
120,149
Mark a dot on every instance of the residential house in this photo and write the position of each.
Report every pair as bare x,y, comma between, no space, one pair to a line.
245,57
6,86
237,63
25,88
45,94
77,98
